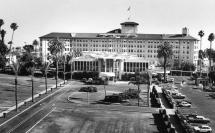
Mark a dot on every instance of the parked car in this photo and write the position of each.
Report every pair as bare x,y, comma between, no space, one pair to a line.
88,89
84,80
203,129
212,95
178,96
198,119
171,80
183,104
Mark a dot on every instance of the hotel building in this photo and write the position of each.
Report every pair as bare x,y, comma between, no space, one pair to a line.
122,50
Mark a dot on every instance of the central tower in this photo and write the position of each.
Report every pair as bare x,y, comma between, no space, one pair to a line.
129,27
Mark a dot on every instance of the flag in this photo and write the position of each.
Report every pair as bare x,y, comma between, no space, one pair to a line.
129,8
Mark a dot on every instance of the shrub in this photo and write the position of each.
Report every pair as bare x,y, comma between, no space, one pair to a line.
81,75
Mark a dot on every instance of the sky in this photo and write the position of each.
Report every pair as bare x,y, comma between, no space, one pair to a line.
36,18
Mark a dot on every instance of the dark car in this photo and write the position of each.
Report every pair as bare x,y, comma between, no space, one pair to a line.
212,95
88,89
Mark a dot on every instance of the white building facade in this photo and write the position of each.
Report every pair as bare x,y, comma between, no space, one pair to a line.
127,41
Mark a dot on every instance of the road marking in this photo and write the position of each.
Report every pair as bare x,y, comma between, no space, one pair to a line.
40,120
30,107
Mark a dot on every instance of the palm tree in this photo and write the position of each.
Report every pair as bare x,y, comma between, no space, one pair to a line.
16,67
1,23
165,51
56,48
45,69
29,64
211,39
13,26
201,34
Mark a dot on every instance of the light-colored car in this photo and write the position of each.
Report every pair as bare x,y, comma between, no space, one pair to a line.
203,129
184,104
198,119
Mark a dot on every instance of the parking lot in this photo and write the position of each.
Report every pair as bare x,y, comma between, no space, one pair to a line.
202,103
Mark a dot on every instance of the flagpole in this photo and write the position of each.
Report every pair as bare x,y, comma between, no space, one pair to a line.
129,13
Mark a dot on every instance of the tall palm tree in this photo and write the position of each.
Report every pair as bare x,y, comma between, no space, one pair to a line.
56,48
165,51
13,26
211,39
201,34
16,67
1,23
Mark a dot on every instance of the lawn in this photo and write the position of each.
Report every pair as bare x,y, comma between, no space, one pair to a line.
112,88
7,87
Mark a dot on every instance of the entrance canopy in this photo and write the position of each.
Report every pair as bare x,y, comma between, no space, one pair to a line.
106,74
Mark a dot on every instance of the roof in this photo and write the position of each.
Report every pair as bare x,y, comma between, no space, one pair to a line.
129,23
119,35
57,35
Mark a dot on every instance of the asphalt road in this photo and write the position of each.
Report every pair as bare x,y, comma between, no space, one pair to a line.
202,104
23,122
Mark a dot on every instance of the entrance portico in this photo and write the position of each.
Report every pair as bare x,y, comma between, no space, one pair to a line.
112,64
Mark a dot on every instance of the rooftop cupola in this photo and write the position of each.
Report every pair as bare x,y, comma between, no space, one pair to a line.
129,27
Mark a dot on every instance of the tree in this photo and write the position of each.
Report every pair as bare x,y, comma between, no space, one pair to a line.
28,48
56,48
201,34
3,32
142,78
3,47
187,66
207,53
16,67
1,23
14,27
165,51
211,39
30,63
45,67
35,43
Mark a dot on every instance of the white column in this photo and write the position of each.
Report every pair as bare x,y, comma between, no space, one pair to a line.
89,65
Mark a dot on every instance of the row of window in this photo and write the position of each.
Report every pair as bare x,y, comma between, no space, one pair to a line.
131,41
123,45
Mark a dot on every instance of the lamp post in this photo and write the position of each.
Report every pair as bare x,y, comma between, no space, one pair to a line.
138,86
64,67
